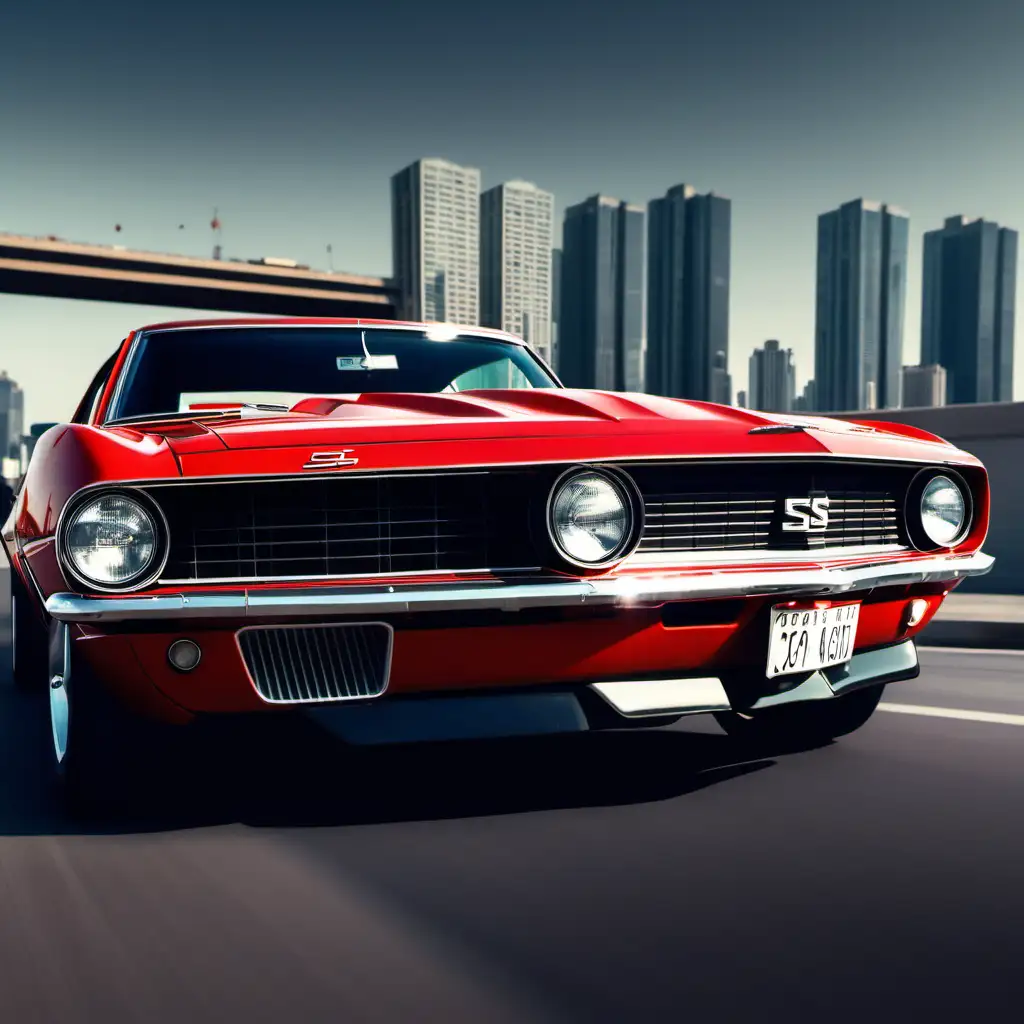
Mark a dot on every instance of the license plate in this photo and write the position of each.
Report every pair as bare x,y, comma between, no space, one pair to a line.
806,639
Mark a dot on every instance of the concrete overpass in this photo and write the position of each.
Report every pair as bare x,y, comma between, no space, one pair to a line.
994,432
67,270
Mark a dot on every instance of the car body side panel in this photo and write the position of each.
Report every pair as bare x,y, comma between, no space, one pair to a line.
68,458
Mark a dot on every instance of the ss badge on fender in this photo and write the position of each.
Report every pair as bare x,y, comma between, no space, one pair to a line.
330,460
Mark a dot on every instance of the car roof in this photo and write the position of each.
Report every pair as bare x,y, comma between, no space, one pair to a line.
300,321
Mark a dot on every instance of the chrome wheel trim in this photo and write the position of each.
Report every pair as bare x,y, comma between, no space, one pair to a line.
59,718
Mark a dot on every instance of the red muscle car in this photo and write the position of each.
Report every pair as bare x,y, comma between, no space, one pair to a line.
419,525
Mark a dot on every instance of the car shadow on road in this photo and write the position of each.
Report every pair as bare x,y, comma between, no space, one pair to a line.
286,772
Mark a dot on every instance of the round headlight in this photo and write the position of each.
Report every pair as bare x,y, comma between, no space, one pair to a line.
591,518
111,541
943,511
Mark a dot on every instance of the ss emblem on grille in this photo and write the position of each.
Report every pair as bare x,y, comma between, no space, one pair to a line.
806,515
330,460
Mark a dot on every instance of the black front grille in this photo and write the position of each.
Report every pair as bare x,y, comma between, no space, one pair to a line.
345,526
741,505
352,525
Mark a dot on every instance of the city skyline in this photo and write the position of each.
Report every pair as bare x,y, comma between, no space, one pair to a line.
784,113
885,299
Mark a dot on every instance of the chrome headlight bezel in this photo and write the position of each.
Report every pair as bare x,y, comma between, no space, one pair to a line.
81,501
629,495
914,510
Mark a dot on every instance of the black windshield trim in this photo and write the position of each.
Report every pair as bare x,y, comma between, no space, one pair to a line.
129,365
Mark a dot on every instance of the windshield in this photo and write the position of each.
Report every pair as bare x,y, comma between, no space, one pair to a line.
180,370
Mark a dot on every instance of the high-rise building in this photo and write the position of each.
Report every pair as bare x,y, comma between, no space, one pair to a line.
688,259
601,313
12,417
772,380
435,238
968,308
807,400
516,227
861,300
924,386
741,399
556,301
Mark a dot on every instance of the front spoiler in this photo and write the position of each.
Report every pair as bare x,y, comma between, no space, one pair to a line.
627,703
624,591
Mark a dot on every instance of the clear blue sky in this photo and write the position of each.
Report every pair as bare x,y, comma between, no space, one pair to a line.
291,118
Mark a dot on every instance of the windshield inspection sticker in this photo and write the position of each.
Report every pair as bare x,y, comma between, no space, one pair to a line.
367,362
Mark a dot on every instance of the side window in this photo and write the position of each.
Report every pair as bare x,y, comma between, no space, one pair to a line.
87,408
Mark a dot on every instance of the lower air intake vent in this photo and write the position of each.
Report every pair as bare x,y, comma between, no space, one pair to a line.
311,664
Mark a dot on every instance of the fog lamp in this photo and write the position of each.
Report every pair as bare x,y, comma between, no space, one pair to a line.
184,655
916,611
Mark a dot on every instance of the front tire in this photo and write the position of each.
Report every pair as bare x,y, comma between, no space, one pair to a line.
803,726
93,755
28,639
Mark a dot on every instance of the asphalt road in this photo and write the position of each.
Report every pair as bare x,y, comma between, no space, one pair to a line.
617,877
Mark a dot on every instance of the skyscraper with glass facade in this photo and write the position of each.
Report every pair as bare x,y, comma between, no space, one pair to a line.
601,314
688,265
860,306
435,239
969,306
516,225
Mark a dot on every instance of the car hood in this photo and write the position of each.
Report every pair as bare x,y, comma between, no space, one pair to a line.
411,430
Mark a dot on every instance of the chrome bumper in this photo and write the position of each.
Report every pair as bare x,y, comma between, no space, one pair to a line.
624,591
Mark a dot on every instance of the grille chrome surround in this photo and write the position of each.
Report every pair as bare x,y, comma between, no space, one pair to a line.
294,664
688,511
413,524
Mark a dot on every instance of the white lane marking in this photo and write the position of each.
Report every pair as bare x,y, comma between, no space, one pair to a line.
965,715
971,650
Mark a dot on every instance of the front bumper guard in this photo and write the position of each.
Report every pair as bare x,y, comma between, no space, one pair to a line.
690,696
623,591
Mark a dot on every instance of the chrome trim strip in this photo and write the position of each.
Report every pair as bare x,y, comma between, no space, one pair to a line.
640,559
478,468
115,395
489,333
619,591
457,574
750,556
